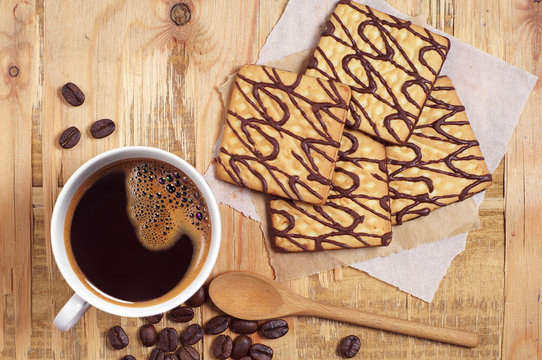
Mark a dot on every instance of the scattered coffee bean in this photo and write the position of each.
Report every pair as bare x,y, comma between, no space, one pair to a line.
192,334
222,347
69,137
147,335
102,128
171,357
243,326
246,358
198,298
241,346
154,319
73,95
128,357
349,346
181,314
156,354
117,337
188,353
274,329
260,352
217,324
168,339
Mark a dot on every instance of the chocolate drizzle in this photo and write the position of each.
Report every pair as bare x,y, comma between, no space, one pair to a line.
263,121
401,108
347,197
434,127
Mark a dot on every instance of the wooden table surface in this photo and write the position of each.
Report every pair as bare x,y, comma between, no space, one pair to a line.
158,82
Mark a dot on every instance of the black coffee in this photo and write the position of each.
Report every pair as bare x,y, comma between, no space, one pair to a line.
137,227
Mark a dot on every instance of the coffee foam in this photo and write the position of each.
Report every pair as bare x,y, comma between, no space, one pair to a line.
164,204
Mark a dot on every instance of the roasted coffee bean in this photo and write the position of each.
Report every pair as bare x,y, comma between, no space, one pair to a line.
171,357
128,357
274,329
117,337
69,137
198,298
260,352
246,358
154,319
241,346
147,335
181,314
102,128
168,339
156,354
188,353
192,334
243,326
217,324
222,347
349,346
73,95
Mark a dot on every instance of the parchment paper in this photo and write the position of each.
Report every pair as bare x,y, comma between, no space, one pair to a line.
493,93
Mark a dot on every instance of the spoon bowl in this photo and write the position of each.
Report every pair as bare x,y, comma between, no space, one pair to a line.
251,296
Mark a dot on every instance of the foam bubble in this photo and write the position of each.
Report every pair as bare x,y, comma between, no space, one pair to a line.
160,223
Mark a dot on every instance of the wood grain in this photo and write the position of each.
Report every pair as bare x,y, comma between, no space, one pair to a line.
523,318
158,83
19,64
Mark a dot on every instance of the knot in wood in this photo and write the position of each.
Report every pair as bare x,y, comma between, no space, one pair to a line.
180,14
13,71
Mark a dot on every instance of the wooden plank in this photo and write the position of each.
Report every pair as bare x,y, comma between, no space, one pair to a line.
242,241
19,66
523,309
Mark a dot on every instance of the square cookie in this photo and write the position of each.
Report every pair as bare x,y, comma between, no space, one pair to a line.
356,213
441,163
389,63
282,133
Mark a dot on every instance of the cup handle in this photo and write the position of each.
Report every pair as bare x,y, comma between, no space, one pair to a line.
71,312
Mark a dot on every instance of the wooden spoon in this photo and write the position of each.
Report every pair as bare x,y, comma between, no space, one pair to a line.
251,296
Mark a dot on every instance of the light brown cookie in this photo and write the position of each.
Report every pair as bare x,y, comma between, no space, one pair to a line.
356,213
282,133
389,63
441,163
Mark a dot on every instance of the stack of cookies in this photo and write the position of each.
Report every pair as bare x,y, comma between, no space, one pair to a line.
368,137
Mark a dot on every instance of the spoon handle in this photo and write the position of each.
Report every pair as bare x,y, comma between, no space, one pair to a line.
391,324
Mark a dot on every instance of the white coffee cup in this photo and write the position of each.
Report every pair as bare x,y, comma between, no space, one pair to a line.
83,298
